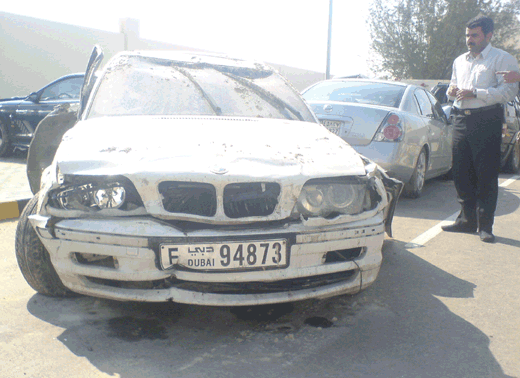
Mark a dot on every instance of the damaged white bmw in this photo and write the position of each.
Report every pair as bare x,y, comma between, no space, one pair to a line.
200,179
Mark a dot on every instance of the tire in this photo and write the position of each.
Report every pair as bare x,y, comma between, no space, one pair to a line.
414,187
5,145
34,260
513,162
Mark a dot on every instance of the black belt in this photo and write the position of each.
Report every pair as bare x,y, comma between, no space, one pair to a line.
476,110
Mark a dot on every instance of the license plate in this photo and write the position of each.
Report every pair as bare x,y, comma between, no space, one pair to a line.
332,126
226,256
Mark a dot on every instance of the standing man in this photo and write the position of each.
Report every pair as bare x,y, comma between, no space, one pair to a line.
477,116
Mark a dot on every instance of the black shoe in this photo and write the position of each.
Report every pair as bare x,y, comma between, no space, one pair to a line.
460,227
486,237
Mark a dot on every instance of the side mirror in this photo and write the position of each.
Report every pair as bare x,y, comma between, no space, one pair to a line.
33,97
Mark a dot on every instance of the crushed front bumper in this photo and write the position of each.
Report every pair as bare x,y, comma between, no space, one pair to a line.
120,259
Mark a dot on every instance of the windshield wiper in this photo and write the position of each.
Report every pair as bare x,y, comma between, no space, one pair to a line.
279,104
216,109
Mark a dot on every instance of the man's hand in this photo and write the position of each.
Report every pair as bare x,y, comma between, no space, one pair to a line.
464,94
510,76
452,90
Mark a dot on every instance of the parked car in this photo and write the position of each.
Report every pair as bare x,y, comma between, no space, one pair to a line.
510,149
19,116
399,126
206,180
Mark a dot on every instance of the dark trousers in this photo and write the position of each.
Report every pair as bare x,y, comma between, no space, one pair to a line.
476,164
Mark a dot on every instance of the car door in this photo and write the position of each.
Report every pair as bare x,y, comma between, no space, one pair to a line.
38,105
446,137
96,57
434,129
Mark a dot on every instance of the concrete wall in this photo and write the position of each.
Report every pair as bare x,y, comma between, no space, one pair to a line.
33,52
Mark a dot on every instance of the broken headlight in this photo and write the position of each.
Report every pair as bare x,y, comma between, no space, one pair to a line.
95,193
334,196
83,197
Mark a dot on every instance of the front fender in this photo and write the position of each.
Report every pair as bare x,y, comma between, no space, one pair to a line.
46,140
393,189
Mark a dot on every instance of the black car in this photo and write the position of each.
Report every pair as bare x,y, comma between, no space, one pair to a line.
510,157
19,116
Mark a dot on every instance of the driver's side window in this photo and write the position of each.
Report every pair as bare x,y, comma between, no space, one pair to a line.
424,103
63,90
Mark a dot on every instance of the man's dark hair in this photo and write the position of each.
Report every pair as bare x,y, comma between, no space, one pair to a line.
483,22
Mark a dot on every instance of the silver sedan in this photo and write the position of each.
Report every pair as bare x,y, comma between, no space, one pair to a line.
399,126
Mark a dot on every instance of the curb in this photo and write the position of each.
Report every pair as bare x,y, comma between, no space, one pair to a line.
12,209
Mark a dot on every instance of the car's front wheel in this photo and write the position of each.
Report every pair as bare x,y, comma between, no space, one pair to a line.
513,162
415,186
34,260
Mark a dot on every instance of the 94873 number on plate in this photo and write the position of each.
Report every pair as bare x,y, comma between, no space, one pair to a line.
226,256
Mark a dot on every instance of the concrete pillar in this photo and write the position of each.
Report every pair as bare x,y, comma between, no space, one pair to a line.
130,29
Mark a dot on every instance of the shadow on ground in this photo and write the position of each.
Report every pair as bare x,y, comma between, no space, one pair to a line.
396,328
440,198
17,156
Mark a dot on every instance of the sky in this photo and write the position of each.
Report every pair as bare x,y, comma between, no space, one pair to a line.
288,32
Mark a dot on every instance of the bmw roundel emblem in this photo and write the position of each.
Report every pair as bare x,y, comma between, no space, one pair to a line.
218,170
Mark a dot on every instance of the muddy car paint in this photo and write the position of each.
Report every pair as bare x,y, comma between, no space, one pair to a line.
116,252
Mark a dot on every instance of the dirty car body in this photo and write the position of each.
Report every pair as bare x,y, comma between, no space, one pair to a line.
207,180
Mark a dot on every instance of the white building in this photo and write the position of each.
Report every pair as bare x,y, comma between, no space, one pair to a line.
33,52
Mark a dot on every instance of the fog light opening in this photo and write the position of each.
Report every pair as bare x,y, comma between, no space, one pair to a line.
93,259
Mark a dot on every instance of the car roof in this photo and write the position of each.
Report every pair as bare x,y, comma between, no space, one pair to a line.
197,57
77,74
371,81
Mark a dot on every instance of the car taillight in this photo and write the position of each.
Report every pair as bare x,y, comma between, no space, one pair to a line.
391,130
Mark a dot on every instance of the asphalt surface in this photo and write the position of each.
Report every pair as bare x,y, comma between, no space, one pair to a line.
444,305
14,185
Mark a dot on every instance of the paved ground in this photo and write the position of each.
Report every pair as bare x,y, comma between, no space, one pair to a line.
444,305
14,186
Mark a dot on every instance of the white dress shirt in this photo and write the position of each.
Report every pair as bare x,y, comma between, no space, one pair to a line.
480,73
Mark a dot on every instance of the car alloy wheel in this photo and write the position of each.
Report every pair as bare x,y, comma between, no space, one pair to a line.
414,187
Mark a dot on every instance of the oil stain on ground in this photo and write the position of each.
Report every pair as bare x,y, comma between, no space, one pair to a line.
318,321
128,328
262,313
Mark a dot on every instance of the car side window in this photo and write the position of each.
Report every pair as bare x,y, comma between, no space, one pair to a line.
437,108
410,105
424,103
63,90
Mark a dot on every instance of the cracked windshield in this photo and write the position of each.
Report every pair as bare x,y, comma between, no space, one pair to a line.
141,86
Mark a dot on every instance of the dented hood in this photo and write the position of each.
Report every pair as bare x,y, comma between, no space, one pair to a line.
205,145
